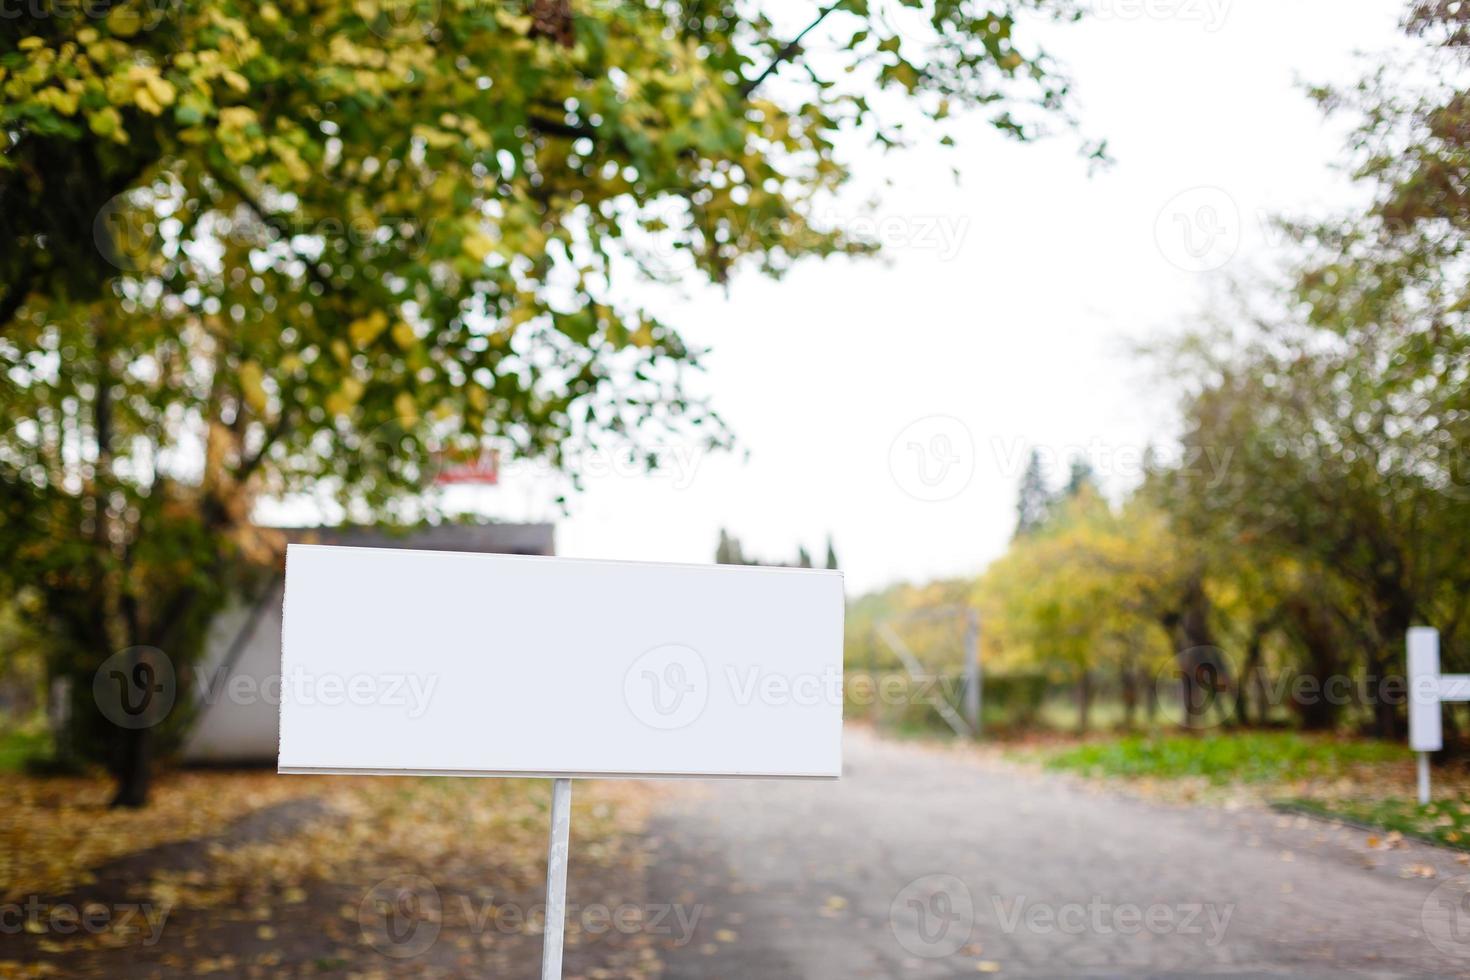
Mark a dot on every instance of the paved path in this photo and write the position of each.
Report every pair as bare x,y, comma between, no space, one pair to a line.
929,863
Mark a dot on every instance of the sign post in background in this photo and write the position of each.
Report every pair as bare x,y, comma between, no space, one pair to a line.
1428,690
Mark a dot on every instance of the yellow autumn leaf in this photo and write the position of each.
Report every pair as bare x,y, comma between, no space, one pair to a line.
161,89
124,21
478,246
252,387
403,335
406,408
365,330
144,99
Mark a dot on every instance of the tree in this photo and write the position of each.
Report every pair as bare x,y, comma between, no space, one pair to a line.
727,552
831,553
1034,501
307,249
582,124
1346,407
803,558
1080,476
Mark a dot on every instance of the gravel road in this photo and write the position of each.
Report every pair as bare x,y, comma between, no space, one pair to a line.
926,862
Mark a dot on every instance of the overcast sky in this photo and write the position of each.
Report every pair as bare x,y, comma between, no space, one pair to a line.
893,403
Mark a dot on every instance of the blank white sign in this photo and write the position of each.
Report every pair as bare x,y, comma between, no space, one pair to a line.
416,662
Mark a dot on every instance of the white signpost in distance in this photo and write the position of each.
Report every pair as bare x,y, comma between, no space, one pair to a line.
433,663
1428,689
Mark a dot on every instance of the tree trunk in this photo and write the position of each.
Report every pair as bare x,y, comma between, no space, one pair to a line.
1205,676
1084,700
135,769
1320,642
1248,672
1392,627
1128,679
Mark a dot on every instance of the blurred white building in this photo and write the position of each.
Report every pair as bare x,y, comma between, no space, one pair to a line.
239,722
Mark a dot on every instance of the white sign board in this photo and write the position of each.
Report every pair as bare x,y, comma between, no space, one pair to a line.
413,662
1425,728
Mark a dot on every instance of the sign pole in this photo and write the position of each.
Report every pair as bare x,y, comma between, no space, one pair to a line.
1423,778
972,670
556,879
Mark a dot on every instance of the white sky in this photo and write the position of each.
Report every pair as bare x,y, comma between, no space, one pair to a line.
1007,309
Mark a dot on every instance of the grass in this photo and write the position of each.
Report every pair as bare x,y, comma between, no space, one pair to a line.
1358,781
16,748
1223,758
1445,822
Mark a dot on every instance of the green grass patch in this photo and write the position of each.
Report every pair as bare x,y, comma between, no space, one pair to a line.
16,748
1223,757
1445,822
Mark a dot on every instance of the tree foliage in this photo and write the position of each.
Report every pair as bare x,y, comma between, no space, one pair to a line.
309,246
1320,504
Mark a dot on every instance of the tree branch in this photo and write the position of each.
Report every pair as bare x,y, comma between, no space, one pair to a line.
272,222
788,51
272,435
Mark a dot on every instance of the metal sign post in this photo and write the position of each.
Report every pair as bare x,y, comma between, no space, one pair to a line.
973,677
1428,689
556,879
391,664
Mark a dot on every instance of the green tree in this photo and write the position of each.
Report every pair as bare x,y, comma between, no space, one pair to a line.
1034,500
1348,414
831,553
728,552
1080,476
282,248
